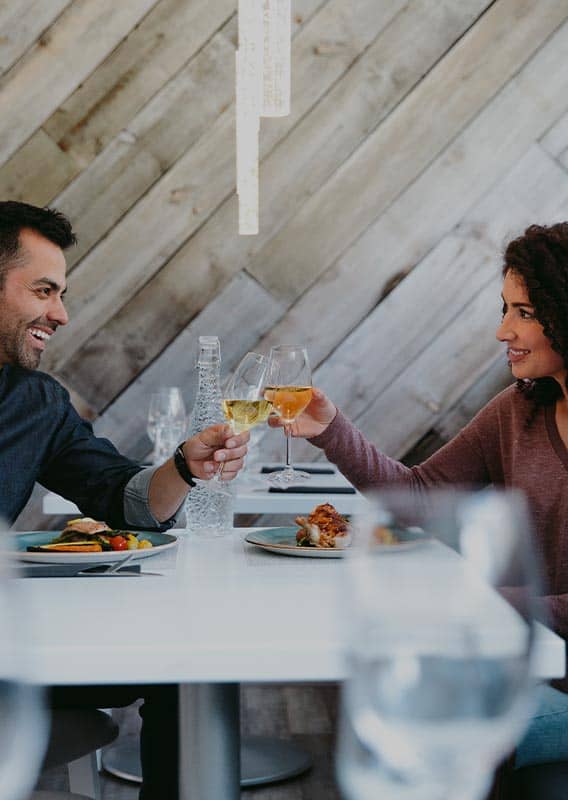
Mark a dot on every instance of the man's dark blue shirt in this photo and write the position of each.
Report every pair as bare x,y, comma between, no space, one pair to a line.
43,439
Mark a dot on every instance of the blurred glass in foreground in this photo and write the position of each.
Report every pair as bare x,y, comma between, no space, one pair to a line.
439,684
23,720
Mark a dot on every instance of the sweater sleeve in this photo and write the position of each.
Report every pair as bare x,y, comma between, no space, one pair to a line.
463,461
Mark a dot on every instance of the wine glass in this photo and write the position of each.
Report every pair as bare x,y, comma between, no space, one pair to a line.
244,404
289,389
439,685
166,411
23,720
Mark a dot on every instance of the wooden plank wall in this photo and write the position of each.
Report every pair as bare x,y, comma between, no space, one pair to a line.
423,134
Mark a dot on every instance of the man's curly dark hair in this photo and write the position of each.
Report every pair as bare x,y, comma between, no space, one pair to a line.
540,258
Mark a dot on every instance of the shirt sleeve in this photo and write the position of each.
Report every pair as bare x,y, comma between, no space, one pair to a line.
136,506
85,468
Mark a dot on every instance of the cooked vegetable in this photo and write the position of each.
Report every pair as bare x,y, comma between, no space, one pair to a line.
118,543
87,535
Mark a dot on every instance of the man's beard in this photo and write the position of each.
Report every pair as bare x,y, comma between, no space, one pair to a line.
16,352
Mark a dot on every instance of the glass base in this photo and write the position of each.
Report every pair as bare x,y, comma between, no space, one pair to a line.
287,477
218,486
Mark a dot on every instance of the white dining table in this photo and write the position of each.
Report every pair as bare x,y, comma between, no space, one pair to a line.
223,612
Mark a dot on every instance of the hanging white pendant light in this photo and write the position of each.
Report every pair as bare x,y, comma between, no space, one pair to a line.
262,89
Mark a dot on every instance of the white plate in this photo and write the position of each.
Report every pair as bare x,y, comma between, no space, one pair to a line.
161,542
283,541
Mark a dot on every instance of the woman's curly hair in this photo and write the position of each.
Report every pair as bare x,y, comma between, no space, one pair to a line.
540,258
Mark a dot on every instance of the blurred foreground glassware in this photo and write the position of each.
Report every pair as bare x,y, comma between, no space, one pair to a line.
23,720
439,686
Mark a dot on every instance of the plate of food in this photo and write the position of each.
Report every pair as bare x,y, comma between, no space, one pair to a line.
324,533
86,540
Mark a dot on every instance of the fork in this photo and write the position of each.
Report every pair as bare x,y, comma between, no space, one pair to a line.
120,564
110,569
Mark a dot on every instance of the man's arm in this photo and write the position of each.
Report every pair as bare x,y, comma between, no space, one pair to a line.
203,454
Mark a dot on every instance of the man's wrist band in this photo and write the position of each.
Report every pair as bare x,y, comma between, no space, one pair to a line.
181,466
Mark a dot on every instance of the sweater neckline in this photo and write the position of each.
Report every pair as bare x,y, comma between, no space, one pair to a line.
554,435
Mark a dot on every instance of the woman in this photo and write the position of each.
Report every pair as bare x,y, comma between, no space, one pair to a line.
519,439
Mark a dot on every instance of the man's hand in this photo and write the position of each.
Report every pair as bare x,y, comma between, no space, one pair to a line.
313,420
213,446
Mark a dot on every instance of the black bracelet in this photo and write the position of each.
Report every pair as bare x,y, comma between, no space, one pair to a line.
181,465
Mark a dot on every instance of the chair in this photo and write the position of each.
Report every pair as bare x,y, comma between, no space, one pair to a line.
75,736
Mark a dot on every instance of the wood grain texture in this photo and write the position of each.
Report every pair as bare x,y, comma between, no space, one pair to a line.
86,33
451,95
179,203
214,248
423,134
22,23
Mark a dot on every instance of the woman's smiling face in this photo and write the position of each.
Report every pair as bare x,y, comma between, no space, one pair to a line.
529,351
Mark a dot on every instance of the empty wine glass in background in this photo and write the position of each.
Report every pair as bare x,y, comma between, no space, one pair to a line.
244,404
167,412
439,686
289,389
23,720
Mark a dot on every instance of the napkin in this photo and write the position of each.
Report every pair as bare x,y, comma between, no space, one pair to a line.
314,489
310,470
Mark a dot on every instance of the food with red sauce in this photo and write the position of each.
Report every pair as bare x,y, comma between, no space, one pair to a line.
324,527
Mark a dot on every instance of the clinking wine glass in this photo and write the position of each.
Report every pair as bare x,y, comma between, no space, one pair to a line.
289,389
439,646
244,404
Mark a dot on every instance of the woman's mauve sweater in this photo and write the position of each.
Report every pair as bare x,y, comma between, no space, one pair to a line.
495,447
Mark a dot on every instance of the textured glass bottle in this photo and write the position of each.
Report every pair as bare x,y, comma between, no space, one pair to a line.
208,513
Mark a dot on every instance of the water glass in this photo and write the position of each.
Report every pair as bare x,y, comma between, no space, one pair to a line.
166,421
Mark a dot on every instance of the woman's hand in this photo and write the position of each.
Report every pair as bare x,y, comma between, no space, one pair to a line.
313,420
213,446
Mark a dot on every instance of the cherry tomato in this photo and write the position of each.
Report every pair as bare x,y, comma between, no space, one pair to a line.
118,543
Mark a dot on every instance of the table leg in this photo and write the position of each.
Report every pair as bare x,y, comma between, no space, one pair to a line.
209,741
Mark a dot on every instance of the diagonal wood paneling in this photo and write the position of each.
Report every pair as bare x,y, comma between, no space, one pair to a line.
423,133
216,251
22,24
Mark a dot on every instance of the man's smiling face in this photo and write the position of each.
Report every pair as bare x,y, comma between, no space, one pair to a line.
31,305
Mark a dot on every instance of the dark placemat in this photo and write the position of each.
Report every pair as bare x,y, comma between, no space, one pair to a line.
29,570
313,490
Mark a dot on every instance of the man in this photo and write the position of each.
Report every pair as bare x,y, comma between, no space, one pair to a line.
43,439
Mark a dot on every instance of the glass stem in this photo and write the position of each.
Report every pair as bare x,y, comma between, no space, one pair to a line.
288,429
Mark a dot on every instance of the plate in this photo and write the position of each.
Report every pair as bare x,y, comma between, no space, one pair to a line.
283,541
407,538
161,542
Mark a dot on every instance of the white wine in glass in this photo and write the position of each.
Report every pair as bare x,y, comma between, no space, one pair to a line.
243,415
289,389
244,404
